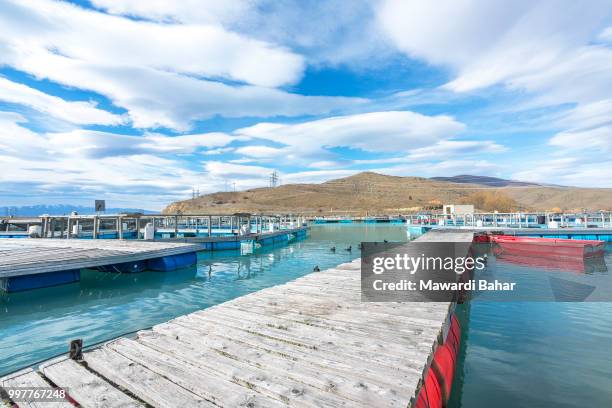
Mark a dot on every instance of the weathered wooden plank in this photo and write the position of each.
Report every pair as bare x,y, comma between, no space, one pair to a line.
142,382
88,389
367,351
303,367
30,379
343,364
267,380
202,382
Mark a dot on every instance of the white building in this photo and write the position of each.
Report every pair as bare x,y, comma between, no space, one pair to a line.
456,209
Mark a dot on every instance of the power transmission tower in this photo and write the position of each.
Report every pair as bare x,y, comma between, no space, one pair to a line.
274,179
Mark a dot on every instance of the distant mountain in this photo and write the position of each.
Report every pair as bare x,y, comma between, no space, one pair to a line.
61,209
484,180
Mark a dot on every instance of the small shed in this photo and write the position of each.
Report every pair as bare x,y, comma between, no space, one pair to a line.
456,209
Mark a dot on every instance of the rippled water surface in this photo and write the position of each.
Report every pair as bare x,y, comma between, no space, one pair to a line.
514,354
537,354
36,325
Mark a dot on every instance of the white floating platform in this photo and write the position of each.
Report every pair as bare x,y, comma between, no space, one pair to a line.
307,343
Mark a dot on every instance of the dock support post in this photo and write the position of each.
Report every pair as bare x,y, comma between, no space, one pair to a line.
176,219
120,227
210,226
95,227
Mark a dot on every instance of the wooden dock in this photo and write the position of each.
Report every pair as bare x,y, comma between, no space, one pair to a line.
28,256
308,343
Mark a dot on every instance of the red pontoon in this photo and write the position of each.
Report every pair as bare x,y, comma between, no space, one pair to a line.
547,247
588,265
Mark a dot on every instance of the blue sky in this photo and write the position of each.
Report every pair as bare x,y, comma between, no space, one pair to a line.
138,102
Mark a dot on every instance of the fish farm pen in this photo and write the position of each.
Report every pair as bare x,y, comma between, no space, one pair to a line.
139,226
51,250
601,219
542,219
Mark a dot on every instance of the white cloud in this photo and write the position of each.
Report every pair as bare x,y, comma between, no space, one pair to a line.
139,180
21,142
229,170
597,140
569,171
77,112
164,99
261,152
588,115
102,39
304,26
373,132
325,164
164,75
549,53
485,42
16,139
606,34
186,11
221,150
451,148
583,75
130,170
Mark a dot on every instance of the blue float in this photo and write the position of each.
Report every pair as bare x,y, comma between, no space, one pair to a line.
125,267
41,280
172,262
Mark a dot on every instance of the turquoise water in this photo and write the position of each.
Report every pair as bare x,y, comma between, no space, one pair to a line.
38,324
514,354
536,354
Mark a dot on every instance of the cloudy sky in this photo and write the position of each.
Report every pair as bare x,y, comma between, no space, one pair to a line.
138,101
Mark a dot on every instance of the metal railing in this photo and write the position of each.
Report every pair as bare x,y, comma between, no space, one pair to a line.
139,226
602,219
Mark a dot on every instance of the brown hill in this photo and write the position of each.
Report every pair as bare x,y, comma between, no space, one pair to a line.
373,193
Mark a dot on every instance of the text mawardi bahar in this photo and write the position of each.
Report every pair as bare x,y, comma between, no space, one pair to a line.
410,264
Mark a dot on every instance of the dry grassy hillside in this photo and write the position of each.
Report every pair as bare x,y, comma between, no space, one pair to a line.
372,193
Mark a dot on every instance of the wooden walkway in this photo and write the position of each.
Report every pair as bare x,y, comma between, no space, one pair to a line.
27,256
307,343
